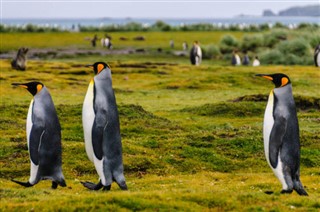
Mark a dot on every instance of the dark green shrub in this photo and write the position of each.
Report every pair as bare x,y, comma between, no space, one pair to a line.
272,57
299,47
161,26
314,40
274,37
252,42
292,59
228,43
211,51
264,27
280,25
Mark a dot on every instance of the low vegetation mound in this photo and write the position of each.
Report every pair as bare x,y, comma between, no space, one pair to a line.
228,109
302,102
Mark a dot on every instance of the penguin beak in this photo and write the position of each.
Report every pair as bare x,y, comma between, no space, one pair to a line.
19,85
265,76
88,65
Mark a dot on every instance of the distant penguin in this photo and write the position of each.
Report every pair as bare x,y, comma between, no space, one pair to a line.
235,60
102,130
246,59
43,136
317,56
196,54
281,134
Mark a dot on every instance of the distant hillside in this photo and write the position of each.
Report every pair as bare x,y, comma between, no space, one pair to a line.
312,10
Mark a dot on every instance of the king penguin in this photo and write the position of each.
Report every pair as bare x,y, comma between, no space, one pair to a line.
101,127
281,134
43,137
317,56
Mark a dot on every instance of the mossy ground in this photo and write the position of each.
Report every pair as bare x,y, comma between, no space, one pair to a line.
192,137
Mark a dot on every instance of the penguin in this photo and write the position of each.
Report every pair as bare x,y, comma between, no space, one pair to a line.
195,54
101,127
317,56
43,137
281,134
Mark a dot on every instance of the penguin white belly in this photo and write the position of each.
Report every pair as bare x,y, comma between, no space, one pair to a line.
88,119
33,168
278,171
267,127
318,59
99,167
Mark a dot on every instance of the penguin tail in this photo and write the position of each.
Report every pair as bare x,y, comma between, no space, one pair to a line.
301,191
298,187
122,185
25,184
92,186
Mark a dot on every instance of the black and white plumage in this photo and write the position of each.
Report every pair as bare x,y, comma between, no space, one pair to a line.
317,56
281,134
102,130
196,54
43,136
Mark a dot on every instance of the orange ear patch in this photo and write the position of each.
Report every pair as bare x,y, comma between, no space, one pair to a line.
100,67
284,81
39,87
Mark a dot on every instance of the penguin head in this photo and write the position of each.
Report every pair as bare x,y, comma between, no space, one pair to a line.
32,87
98,67
279,79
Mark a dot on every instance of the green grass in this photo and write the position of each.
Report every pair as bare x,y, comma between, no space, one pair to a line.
153,40
192,136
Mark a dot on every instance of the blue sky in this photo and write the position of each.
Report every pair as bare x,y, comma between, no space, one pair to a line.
142,8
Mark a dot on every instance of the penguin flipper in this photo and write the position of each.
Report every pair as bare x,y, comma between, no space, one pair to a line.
25,184
276,136
36,136
92,186
97,134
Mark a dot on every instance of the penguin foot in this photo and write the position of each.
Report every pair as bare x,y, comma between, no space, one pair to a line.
106,188
25,184
54,185
92,186
268,192
286,191
62,183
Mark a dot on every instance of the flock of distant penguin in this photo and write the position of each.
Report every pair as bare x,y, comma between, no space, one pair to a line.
103,146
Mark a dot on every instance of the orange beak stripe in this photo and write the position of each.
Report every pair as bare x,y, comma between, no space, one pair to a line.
267,77
23,86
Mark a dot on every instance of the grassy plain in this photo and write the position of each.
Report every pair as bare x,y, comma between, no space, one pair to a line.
79,40
189,142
